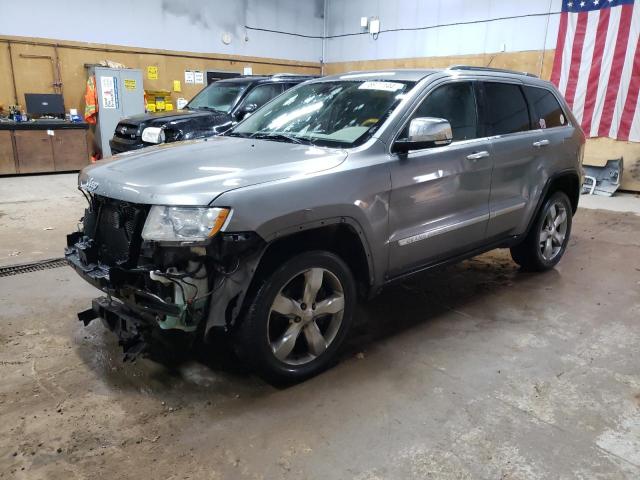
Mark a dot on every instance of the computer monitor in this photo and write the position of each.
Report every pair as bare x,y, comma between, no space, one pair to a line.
40,104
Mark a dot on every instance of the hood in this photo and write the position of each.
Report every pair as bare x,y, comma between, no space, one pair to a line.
196,172
161,118
185,121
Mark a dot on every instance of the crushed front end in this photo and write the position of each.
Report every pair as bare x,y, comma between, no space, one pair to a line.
157,292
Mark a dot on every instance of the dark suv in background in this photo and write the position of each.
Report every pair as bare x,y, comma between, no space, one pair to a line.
214,110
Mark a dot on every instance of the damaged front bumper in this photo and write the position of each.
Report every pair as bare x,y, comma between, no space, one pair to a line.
142,308
165,291
132,287
135,335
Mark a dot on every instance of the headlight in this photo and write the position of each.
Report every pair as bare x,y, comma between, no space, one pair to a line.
153,135
183,224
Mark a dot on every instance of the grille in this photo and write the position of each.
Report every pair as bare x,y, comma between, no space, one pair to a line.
117,233
125,130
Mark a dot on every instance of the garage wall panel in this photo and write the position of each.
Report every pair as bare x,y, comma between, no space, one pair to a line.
538,62
455,27
28,59
35,75
185,25
6,79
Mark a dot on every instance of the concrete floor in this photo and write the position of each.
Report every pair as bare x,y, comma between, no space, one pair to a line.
36,214
477,371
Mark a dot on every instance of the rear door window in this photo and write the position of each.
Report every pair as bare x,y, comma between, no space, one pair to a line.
505,109
547,112
287,86
454,102
262,94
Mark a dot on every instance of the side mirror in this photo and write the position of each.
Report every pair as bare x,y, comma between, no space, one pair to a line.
425,132
247,110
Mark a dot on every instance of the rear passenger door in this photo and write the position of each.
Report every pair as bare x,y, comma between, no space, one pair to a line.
506,119
553,128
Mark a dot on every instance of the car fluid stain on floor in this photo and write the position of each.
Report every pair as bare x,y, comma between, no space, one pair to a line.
475,371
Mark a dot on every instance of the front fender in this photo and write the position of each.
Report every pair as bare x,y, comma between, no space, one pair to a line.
359,197
324,222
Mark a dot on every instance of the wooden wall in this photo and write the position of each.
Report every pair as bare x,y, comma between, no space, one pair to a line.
597,151
537,62
37,75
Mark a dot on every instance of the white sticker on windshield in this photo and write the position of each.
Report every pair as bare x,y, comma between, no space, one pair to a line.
384,86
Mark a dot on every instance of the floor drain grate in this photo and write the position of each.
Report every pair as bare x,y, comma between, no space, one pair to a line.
32,267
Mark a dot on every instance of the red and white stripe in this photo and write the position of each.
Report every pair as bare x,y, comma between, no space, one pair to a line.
597,69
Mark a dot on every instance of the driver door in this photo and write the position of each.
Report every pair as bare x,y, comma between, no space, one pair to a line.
439,204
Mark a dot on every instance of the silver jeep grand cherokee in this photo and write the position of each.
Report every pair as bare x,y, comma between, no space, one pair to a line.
324,195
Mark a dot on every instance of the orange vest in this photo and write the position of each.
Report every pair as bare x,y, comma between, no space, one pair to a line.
90,101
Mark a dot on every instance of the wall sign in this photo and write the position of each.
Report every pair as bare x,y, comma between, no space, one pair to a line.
194,76
152,72
109,88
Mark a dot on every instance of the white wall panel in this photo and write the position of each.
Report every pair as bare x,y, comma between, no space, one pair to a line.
488,33
184,25
198,25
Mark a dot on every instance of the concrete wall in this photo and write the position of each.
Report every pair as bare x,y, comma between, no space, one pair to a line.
183,25
456,27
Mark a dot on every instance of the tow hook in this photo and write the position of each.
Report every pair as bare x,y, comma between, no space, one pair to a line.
87,316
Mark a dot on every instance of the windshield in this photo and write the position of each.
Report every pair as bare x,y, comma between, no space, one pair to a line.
219,96
337,113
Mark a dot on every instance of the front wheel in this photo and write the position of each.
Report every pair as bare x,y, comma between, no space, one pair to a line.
299,318
547,240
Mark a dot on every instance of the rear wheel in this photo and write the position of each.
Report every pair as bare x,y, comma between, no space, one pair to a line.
547,240
299,318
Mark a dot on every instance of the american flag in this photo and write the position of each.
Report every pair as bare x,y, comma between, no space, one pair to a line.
597,65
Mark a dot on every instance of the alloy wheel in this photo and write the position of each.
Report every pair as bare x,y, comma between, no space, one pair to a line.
553,231
305,316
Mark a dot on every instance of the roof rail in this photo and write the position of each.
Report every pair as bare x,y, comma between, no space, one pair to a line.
290,75
490,69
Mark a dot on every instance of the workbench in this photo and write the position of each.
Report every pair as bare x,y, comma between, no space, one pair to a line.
42,146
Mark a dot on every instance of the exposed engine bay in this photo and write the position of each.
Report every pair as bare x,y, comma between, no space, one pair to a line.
157,290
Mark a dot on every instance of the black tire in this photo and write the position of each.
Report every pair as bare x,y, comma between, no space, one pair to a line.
253,336
529,253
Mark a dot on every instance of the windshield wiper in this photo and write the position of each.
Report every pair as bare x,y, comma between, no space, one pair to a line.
231,133
277,136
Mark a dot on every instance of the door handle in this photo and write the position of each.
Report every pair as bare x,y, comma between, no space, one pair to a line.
477,156
541,143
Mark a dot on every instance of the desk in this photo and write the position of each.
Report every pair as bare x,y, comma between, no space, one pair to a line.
38,147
